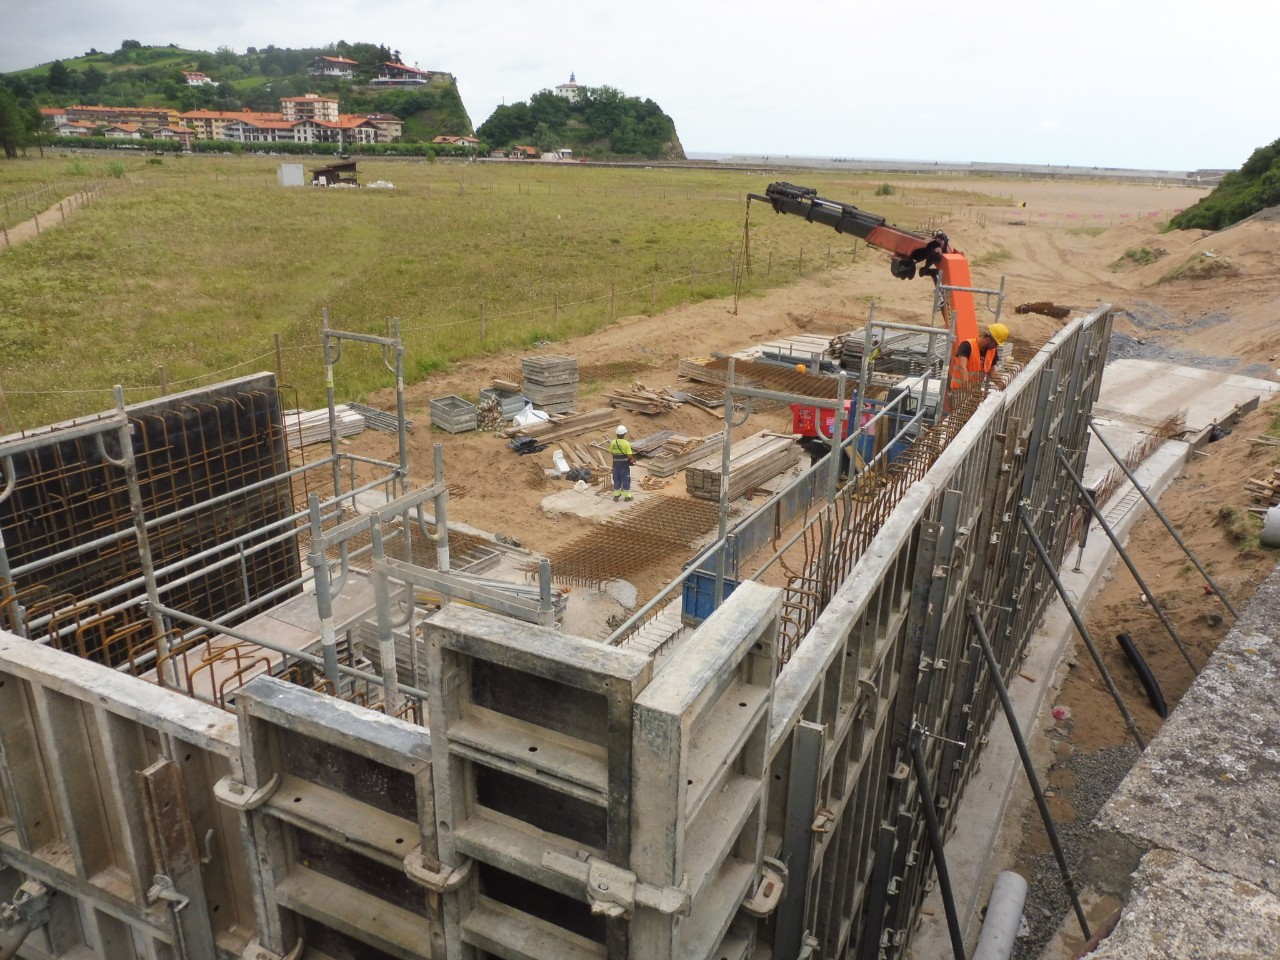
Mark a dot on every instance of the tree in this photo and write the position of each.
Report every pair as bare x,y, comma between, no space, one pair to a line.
61,79
11,124
38,127
93,80
130,45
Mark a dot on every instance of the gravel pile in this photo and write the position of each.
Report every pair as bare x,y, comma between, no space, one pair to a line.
1097,775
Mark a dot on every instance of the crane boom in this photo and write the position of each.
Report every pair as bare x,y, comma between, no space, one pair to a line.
905,246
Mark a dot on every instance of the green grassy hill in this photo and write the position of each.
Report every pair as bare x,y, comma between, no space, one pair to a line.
137,75
1242,193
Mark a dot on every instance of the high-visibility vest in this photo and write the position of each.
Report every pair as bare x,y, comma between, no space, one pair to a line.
975,362
621,450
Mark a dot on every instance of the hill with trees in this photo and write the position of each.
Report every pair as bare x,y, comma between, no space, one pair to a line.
602,122
1242,193
151,76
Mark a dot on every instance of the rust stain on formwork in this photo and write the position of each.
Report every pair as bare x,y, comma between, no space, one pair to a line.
650,531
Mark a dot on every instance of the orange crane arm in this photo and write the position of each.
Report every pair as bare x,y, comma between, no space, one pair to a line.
905,246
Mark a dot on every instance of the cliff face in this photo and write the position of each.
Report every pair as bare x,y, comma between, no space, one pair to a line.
673,150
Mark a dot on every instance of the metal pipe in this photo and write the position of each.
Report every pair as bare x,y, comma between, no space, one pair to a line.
130,468
1128,561
1083,630
386,632
332,353
315,661
442,511
935,842
1028,767
1093,425
324,599
1004,917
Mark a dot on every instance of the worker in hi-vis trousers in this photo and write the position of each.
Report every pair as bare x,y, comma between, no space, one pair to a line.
623,458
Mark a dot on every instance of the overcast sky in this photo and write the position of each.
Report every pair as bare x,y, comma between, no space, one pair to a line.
1125,83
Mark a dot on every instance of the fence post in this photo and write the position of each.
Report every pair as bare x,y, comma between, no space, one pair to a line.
768,268
6,237
279,360
555,315
482,320
653,295
693,280
828,256
63,212
800,261
163,376
613,301
36,217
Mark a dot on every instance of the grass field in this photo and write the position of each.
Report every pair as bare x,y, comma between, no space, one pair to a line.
195,263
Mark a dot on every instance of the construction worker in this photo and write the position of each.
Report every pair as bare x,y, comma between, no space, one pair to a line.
623,458
976,358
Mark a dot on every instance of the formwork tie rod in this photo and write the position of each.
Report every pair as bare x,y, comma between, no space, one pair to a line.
997,680
1080,627
925,790
1093,425
1128,562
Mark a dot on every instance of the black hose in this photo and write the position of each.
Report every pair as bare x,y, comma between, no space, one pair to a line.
1148,679
934,833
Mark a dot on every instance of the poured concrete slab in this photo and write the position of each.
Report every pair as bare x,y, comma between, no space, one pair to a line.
1208,786
1180,909
1146,389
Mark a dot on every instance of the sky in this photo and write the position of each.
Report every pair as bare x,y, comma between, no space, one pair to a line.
1169,85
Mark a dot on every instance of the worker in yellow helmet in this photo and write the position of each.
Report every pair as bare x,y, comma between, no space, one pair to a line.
976,358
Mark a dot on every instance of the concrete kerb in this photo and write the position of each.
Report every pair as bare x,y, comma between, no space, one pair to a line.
998,788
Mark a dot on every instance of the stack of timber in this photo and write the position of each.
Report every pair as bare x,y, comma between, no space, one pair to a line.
752,461
640,399
305,427
1265,490
569,425
550,383
678,451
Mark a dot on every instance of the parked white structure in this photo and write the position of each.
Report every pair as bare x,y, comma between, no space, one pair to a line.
569,90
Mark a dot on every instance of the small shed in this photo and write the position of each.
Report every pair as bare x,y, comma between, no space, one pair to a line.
335,173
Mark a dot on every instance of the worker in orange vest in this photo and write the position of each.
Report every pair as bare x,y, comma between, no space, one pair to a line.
977,357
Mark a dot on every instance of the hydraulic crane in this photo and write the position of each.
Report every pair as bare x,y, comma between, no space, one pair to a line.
905,247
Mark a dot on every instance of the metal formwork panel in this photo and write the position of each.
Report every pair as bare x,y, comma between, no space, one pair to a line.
891,657
105,796
338,807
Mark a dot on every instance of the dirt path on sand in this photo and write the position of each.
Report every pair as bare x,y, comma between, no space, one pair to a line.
55,216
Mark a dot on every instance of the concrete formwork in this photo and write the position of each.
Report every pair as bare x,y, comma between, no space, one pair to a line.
559,797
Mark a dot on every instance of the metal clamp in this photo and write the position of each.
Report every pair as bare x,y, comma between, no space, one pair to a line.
768,892
30,906
431,873
233,793
162,888
822,820
614,891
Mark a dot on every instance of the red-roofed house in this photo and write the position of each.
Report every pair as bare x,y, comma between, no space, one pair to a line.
398,75
338,67
124,131
456,141
195,79
389,127
183,135
523,152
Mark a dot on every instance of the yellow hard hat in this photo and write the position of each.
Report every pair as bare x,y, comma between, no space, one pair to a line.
801,368
999,332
